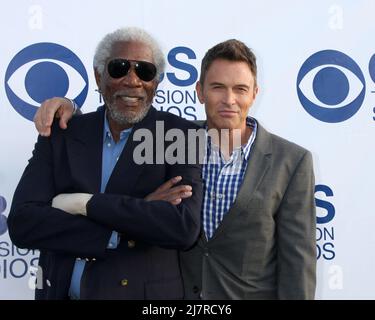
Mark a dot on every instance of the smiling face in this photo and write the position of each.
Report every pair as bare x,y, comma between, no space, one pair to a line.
228,91
128,98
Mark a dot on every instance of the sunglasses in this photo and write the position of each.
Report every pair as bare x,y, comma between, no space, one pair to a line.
118,68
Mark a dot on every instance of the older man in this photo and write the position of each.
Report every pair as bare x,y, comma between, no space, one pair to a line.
87,205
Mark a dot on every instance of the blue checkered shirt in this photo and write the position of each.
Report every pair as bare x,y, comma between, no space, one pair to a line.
222,180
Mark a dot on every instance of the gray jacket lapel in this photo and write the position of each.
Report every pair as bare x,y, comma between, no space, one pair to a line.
259,163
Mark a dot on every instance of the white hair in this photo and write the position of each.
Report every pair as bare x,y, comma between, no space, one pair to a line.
104,48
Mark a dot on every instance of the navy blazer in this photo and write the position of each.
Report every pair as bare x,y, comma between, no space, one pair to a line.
145,265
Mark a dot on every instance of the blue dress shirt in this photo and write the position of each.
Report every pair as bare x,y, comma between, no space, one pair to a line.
110,155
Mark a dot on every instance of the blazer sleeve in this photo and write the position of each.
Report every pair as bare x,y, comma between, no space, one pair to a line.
34,224
296,235
155,222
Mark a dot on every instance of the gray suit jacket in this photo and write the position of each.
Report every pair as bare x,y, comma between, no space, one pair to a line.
265,246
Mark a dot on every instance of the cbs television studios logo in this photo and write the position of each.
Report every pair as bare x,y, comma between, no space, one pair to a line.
17,263
44,70
32,75
331,86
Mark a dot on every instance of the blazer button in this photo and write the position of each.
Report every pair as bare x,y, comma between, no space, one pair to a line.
131,244
195,289
124,282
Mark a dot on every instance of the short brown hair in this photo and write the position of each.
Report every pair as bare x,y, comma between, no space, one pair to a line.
232,50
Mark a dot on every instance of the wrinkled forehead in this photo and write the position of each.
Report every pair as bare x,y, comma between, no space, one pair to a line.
132,50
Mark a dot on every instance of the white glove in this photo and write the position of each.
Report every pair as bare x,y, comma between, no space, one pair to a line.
73,203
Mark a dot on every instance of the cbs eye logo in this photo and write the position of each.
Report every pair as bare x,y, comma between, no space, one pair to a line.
42,71
331,86
3,219
371,69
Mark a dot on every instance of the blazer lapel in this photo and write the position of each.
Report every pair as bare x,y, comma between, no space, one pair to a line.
126,172
84,147
259,163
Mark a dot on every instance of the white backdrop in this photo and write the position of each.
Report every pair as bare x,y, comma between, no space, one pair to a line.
324,103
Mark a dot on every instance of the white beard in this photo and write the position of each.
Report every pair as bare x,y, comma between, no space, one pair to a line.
123,118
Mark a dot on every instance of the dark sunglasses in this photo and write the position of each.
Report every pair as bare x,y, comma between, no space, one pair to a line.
118,68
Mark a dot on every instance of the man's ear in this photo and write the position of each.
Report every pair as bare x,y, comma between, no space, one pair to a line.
255,93
199,89
156,83
97,78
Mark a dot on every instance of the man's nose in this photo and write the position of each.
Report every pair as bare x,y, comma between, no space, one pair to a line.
229,97
131,79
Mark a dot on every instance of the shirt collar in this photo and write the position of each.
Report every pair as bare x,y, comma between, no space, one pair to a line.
252,123
107,131
245,149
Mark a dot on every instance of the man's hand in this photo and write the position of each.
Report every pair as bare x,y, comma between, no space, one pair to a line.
168,192
60,107
73,203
